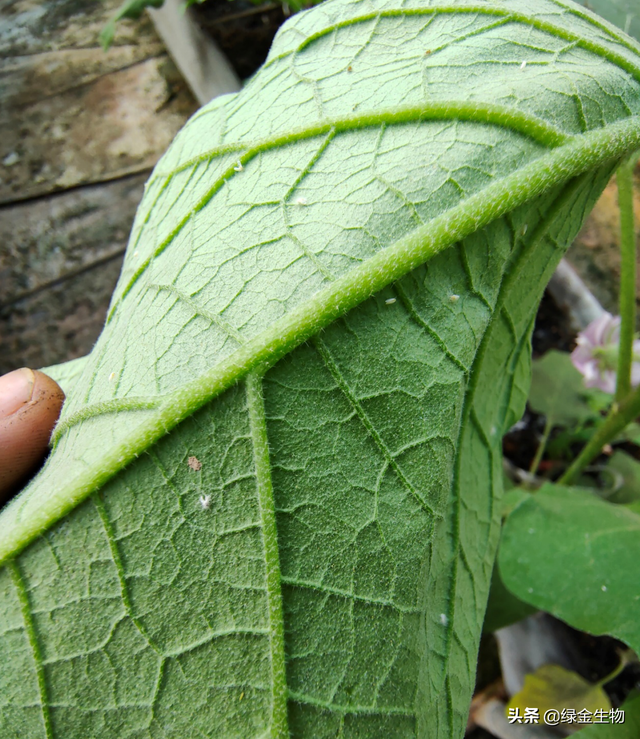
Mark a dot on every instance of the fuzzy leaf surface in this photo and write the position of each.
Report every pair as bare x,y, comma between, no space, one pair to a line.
274,499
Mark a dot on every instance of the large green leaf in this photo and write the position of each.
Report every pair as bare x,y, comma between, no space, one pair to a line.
273,504
568,552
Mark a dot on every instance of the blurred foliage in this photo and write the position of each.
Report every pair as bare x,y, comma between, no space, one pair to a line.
133,9
568,552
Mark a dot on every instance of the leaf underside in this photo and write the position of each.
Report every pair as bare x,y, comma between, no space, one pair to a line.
273,501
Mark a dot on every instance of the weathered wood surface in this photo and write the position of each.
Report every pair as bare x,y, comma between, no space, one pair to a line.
58,324
59,263
72,114
201,63
48,239
79,133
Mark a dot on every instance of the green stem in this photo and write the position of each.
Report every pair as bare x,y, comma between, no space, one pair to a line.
624,661
541,446
627,277
618,418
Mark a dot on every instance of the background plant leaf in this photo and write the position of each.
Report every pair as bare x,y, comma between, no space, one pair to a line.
274,500
631,433
629,470
557,390
567,552
131,9
630,729
554,687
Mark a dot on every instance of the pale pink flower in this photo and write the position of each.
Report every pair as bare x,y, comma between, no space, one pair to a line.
596,354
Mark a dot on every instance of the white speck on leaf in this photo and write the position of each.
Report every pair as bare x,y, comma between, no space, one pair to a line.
205,502
111,376
604,588
523,66
301,201
390,301
195,464
454,298
443,619
238,167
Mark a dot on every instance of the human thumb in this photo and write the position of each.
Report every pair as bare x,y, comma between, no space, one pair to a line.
30,404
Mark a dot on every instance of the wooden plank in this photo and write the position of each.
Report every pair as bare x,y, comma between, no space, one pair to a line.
47,239
60,260
119,124
196,55
72,114
32,27
57,324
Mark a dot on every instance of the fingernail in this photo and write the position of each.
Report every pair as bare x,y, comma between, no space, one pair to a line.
16,389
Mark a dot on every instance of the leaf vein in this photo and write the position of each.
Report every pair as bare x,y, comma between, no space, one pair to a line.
32,637
502,116
117,561
510,16
363,710
328,590
417,319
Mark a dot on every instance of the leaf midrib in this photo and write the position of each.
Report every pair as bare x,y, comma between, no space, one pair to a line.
442,110
448,110
581,154
279,726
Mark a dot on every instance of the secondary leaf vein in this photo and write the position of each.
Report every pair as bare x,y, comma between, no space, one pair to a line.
364,419
32,637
